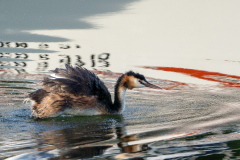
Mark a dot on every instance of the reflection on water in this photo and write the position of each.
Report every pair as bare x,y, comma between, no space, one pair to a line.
41,59
224,79
195,116
79,140
186,123
16,17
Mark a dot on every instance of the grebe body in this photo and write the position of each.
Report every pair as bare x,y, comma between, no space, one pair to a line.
75,90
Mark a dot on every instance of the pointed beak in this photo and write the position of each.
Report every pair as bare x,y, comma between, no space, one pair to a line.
147,84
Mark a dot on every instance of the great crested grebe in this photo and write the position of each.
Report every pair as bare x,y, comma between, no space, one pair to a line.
75,90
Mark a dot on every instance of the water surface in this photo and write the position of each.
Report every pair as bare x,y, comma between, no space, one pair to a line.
184,122
189,48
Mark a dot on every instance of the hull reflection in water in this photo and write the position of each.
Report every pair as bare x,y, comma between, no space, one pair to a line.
224,79
196,116
184,123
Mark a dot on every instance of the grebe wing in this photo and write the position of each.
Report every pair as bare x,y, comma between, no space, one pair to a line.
66,86
77,81
38,95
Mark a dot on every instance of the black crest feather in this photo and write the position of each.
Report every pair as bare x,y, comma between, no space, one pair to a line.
137,75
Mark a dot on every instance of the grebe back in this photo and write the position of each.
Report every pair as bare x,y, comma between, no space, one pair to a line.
76,90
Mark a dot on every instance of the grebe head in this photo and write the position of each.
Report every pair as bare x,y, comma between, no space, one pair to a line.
136,80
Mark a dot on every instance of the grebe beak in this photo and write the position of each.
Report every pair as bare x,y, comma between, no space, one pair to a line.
147,84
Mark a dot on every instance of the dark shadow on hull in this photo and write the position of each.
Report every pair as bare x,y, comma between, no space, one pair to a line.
17,16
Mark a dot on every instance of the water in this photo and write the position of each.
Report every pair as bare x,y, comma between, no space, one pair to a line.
189,123
188,48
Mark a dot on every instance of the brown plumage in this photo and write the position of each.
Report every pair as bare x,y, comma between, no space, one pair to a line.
79,91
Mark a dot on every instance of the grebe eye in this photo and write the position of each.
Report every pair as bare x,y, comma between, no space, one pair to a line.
139,81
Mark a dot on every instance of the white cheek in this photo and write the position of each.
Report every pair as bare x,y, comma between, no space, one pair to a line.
138,85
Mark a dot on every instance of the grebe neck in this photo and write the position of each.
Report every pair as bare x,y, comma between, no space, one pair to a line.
119,95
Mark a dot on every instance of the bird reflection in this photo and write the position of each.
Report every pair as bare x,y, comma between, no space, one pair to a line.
123,144
91,137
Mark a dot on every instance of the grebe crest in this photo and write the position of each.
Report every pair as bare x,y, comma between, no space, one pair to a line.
81,91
